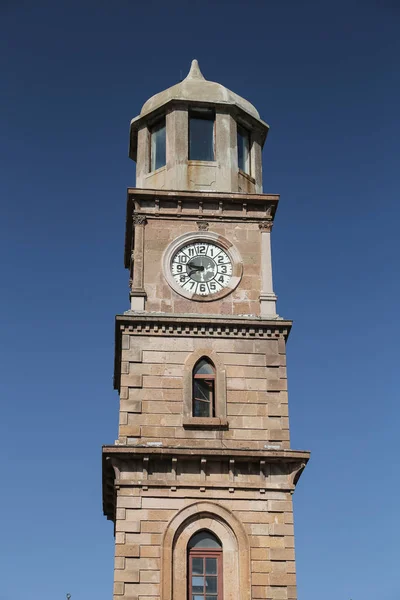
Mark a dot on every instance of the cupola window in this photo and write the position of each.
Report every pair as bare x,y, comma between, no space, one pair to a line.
201,134
204,388
158,145
243,144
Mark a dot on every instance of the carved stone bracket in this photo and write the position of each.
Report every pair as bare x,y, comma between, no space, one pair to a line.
266,226
139,219
203,225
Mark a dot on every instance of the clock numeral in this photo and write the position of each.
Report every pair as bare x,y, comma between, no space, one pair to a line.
221,279
201,249
213,286
182,259
202,288
223,269
221,258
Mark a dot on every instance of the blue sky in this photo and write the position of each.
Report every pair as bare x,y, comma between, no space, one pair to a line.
325,76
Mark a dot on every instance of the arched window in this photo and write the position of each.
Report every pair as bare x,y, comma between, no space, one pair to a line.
205,567
203,388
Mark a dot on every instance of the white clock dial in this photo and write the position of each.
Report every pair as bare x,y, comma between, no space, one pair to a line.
201,268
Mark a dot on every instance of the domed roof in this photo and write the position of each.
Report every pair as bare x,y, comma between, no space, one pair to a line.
196,88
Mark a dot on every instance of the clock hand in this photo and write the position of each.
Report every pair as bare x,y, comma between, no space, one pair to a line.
195,269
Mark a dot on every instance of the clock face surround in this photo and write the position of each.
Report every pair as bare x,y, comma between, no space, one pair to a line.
202,266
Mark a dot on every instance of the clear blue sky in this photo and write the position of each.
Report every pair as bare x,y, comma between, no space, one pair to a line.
325,76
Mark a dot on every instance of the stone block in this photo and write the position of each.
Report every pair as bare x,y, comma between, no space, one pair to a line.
129,501
279,529
282,579
277,554
275,385
260,554
260,578
150,552
119,588
149,576
123,393
277,593
280,505
260,566
125,341
131,381
143,589
126,576
130,430
120,513
259,592
171,503
150,381
132,354
131,406
124,367
128,526
119,562
152,526
258,528
127,550
145,539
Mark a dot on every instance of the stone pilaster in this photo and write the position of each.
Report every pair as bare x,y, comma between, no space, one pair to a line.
138,293
267,296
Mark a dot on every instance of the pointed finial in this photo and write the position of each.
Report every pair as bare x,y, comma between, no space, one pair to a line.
195,72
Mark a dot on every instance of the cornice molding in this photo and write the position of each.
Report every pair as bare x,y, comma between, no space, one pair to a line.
201,326
117,459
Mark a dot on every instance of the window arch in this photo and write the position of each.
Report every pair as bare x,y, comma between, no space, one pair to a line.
204,552
203,388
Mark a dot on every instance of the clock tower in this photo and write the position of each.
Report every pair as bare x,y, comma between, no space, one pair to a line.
199,482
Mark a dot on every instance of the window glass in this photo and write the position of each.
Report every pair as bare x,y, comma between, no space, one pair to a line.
204,367
201,134
158,146
243,144
203,391
203,388
204,539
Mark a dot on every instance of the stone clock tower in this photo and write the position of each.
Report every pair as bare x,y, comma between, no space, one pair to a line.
199,483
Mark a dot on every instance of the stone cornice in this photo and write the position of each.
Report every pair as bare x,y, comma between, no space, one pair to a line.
194,206
265,454
121,464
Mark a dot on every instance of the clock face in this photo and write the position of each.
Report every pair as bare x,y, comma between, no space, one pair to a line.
201,268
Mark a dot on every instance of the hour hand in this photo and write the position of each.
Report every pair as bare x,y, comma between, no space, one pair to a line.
193,268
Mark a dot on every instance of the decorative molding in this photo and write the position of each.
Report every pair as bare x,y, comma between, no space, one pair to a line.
198,329
266,226
203,225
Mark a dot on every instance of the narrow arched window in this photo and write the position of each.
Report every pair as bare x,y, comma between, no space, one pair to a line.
204,388
205,567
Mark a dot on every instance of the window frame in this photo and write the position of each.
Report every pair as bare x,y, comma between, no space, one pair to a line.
205,553
160,123
201,112
245,133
